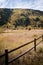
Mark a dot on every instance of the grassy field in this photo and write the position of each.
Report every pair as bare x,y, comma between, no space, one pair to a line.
11,39
30,58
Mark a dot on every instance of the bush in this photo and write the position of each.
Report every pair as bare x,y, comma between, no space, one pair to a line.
29,28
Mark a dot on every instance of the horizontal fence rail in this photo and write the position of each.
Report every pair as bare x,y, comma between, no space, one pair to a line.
20,55
20,46
2,55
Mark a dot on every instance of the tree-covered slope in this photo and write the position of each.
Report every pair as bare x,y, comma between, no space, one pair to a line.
12,18
4,16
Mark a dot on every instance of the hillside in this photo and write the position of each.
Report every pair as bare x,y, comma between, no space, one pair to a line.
13,18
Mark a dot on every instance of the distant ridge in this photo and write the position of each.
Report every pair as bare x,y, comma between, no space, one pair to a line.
12,18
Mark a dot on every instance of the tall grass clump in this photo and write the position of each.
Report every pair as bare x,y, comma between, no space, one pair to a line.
31,58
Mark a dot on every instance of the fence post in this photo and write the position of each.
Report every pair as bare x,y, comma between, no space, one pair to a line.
42,38
35,44
6,57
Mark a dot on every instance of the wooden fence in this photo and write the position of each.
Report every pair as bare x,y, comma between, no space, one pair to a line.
6,54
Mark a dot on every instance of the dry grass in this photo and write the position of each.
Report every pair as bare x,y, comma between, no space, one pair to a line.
31,58
14,38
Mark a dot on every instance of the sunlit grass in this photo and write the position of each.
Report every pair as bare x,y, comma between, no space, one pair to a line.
14,38
17,38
